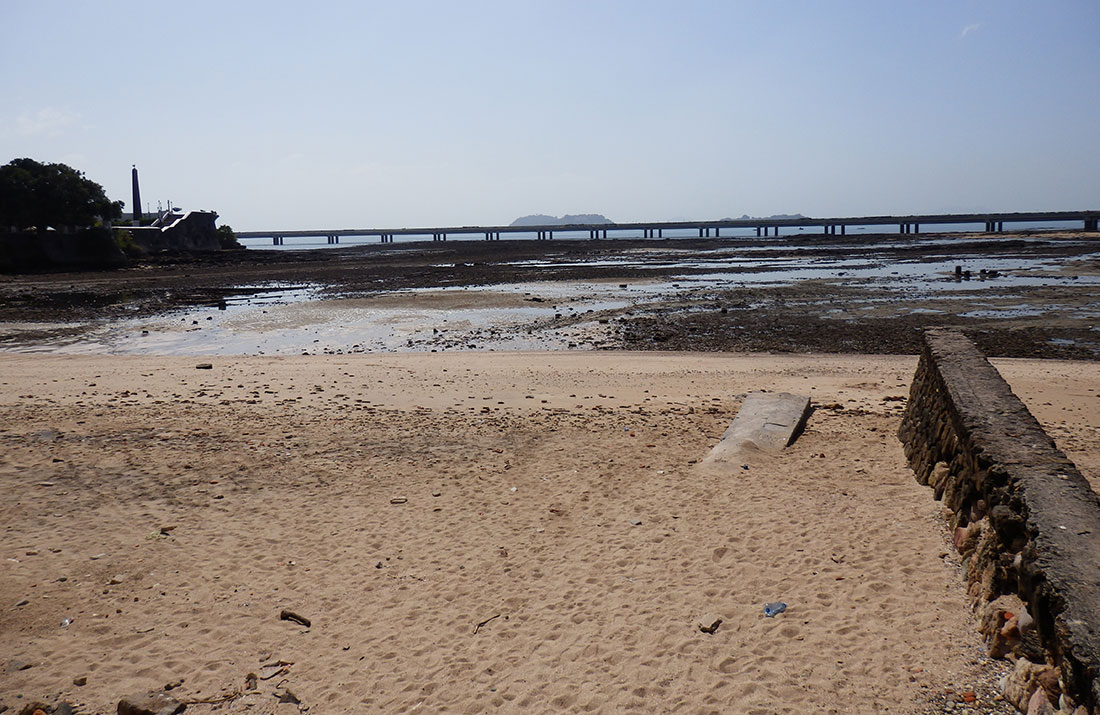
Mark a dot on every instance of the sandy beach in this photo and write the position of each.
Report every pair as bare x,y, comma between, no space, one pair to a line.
167,515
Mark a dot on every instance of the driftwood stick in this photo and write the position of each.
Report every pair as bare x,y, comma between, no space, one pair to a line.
479,625
288,615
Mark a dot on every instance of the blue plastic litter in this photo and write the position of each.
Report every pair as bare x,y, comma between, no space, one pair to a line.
773,608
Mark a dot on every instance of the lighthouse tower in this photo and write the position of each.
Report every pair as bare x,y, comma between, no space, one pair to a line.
137,198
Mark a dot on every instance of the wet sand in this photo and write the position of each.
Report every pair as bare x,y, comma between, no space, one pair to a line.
172,512
1029,295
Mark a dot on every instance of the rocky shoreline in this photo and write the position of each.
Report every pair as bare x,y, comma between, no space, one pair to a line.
805,293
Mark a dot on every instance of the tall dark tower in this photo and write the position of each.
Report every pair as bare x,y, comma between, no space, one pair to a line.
137,198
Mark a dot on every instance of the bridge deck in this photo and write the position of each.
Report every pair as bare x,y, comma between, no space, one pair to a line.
906,224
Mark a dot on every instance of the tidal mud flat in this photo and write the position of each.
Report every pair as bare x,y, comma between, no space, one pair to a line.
1017,295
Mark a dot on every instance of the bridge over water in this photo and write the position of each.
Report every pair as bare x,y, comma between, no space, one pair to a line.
991,223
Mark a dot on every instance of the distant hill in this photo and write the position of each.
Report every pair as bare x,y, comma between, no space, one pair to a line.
544,220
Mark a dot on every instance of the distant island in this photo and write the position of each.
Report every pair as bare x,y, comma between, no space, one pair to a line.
777,217
544,220
573,219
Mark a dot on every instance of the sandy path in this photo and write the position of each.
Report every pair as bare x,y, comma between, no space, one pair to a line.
277,477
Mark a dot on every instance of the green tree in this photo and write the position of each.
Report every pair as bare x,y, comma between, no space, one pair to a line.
42,195
227,238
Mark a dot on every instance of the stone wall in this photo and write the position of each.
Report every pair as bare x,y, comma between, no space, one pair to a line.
1024,519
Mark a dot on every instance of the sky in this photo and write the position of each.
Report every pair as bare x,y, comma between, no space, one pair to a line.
363,114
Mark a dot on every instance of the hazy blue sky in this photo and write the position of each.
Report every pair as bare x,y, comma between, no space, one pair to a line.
404,113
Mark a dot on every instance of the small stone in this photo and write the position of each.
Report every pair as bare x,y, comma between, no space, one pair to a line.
437,493
399,500
33,707
204,366
22,602
1026,678
98,556
14,666
1039,704
80,681
709,623
151,703
116,580
636,522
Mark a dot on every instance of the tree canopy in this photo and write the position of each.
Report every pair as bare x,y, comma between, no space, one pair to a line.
41,195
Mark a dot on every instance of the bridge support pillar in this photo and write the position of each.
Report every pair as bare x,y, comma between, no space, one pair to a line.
1091,224
916,228
661,231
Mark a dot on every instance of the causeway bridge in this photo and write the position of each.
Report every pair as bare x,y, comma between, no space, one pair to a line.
990,223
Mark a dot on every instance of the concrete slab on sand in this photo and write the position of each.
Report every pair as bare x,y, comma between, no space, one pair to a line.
767,421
